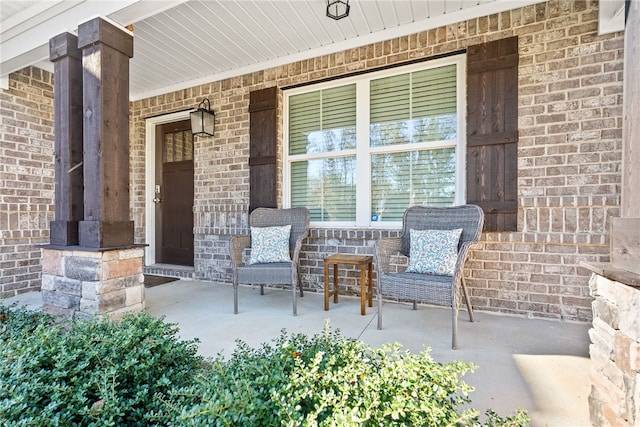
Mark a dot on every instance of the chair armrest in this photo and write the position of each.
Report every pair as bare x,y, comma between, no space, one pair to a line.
298,248
384,249
295,278
463,254
239,243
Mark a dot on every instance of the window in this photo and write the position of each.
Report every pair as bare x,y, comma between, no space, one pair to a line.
177,146
359,151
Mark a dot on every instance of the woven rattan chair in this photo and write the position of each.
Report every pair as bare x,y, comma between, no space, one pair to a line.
427,288
285,273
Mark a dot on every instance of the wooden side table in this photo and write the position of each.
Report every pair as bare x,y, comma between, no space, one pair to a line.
365,262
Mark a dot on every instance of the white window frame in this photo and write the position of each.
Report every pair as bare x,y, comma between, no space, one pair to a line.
363,151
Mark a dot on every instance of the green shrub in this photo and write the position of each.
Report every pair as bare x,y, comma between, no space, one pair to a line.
326,380
135,372
19,323
93,373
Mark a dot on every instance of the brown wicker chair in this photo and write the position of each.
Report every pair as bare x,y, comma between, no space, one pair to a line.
270,273
426,288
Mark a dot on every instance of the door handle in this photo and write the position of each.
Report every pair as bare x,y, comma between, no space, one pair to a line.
156,200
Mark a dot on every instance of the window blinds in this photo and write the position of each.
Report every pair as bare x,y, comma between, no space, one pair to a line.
399,180
324,122
413,107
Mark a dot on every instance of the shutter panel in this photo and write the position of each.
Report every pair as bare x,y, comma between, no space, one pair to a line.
492,132
262,148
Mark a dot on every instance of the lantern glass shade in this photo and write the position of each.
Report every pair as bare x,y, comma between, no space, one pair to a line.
202,120
337,9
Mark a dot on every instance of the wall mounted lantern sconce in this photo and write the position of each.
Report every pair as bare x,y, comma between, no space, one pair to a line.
203,119
337,9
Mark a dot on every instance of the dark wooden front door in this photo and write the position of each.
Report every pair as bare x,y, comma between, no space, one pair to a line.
174,193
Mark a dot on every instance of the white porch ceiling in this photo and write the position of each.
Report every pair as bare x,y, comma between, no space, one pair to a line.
181,43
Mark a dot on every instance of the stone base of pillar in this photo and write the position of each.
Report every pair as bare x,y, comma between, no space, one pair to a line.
81,283
615,354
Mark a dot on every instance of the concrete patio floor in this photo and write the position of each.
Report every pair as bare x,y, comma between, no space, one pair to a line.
539,365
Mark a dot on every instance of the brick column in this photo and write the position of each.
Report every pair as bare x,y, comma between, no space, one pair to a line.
67,59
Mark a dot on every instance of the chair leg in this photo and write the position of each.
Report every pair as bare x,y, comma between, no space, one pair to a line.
295,301
379,311
467,299
454,328
235,299
299,282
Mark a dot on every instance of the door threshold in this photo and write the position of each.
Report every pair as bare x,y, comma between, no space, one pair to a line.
170,270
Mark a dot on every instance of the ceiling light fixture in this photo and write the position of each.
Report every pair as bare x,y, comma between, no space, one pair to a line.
337,9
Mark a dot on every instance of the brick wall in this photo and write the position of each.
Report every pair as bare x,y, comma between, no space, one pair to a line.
26,178
570,120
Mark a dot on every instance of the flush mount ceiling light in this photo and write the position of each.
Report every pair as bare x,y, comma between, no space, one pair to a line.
203,119
337,9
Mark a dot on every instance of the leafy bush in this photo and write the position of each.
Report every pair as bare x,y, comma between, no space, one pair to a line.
326,380
19,323
93,373
136,372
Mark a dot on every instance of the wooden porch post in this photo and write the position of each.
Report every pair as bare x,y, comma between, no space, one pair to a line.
631,127
106,50
67,59
625,231
99,274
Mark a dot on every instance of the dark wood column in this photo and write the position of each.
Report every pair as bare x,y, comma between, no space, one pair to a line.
625,231
67,59
106,50
630,202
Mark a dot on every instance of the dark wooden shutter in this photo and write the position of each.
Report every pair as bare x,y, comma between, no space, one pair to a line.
262,148
492,132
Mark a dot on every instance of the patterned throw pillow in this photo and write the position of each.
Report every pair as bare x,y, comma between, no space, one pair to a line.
270,244
433,251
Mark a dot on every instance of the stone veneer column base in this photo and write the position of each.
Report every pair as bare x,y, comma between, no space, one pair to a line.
81,283
615,353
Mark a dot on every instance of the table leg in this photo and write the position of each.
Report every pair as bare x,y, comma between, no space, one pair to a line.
326,286
363,290
371,284
335,283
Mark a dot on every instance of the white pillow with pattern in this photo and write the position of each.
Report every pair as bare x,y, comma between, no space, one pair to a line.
433,251
270,244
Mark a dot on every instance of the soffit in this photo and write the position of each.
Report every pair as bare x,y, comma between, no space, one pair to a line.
182,43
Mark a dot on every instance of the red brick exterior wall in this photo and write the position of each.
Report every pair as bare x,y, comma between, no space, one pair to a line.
570,121
569,158
26,178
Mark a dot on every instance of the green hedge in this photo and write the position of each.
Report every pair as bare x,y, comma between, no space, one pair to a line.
136,372
90,373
